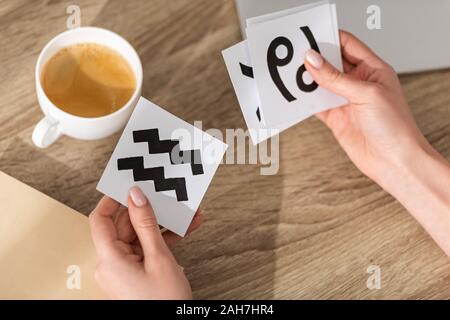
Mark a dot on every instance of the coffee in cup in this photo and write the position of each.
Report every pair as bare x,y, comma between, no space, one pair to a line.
88,80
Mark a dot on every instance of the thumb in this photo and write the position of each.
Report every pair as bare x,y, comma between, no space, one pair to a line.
144,223
330,78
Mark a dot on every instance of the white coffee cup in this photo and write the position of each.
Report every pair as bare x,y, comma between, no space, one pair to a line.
57,122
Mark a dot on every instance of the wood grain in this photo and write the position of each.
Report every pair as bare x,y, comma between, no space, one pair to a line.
310,231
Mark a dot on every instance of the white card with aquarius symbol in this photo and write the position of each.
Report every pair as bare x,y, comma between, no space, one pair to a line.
172,162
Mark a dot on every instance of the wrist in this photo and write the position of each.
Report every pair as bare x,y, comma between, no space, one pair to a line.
418,173
421,183
404,166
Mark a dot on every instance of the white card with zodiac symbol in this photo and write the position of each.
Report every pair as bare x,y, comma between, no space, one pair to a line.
277,49
239,68
172,162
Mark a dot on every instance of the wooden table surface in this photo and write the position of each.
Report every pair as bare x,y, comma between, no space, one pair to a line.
311,231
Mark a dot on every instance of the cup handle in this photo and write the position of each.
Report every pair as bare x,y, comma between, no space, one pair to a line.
46,132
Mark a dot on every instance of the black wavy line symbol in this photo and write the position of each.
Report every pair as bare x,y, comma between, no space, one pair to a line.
156,174
171,147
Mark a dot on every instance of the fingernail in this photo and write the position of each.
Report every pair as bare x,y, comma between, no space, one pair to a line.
138,197
314,58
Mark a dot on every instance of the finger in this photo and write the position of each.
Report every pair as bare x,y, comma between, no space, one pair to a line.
172,238
119,212
144,223
137,249
135,257
125,230
348,67
356,52
328,77
103,230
